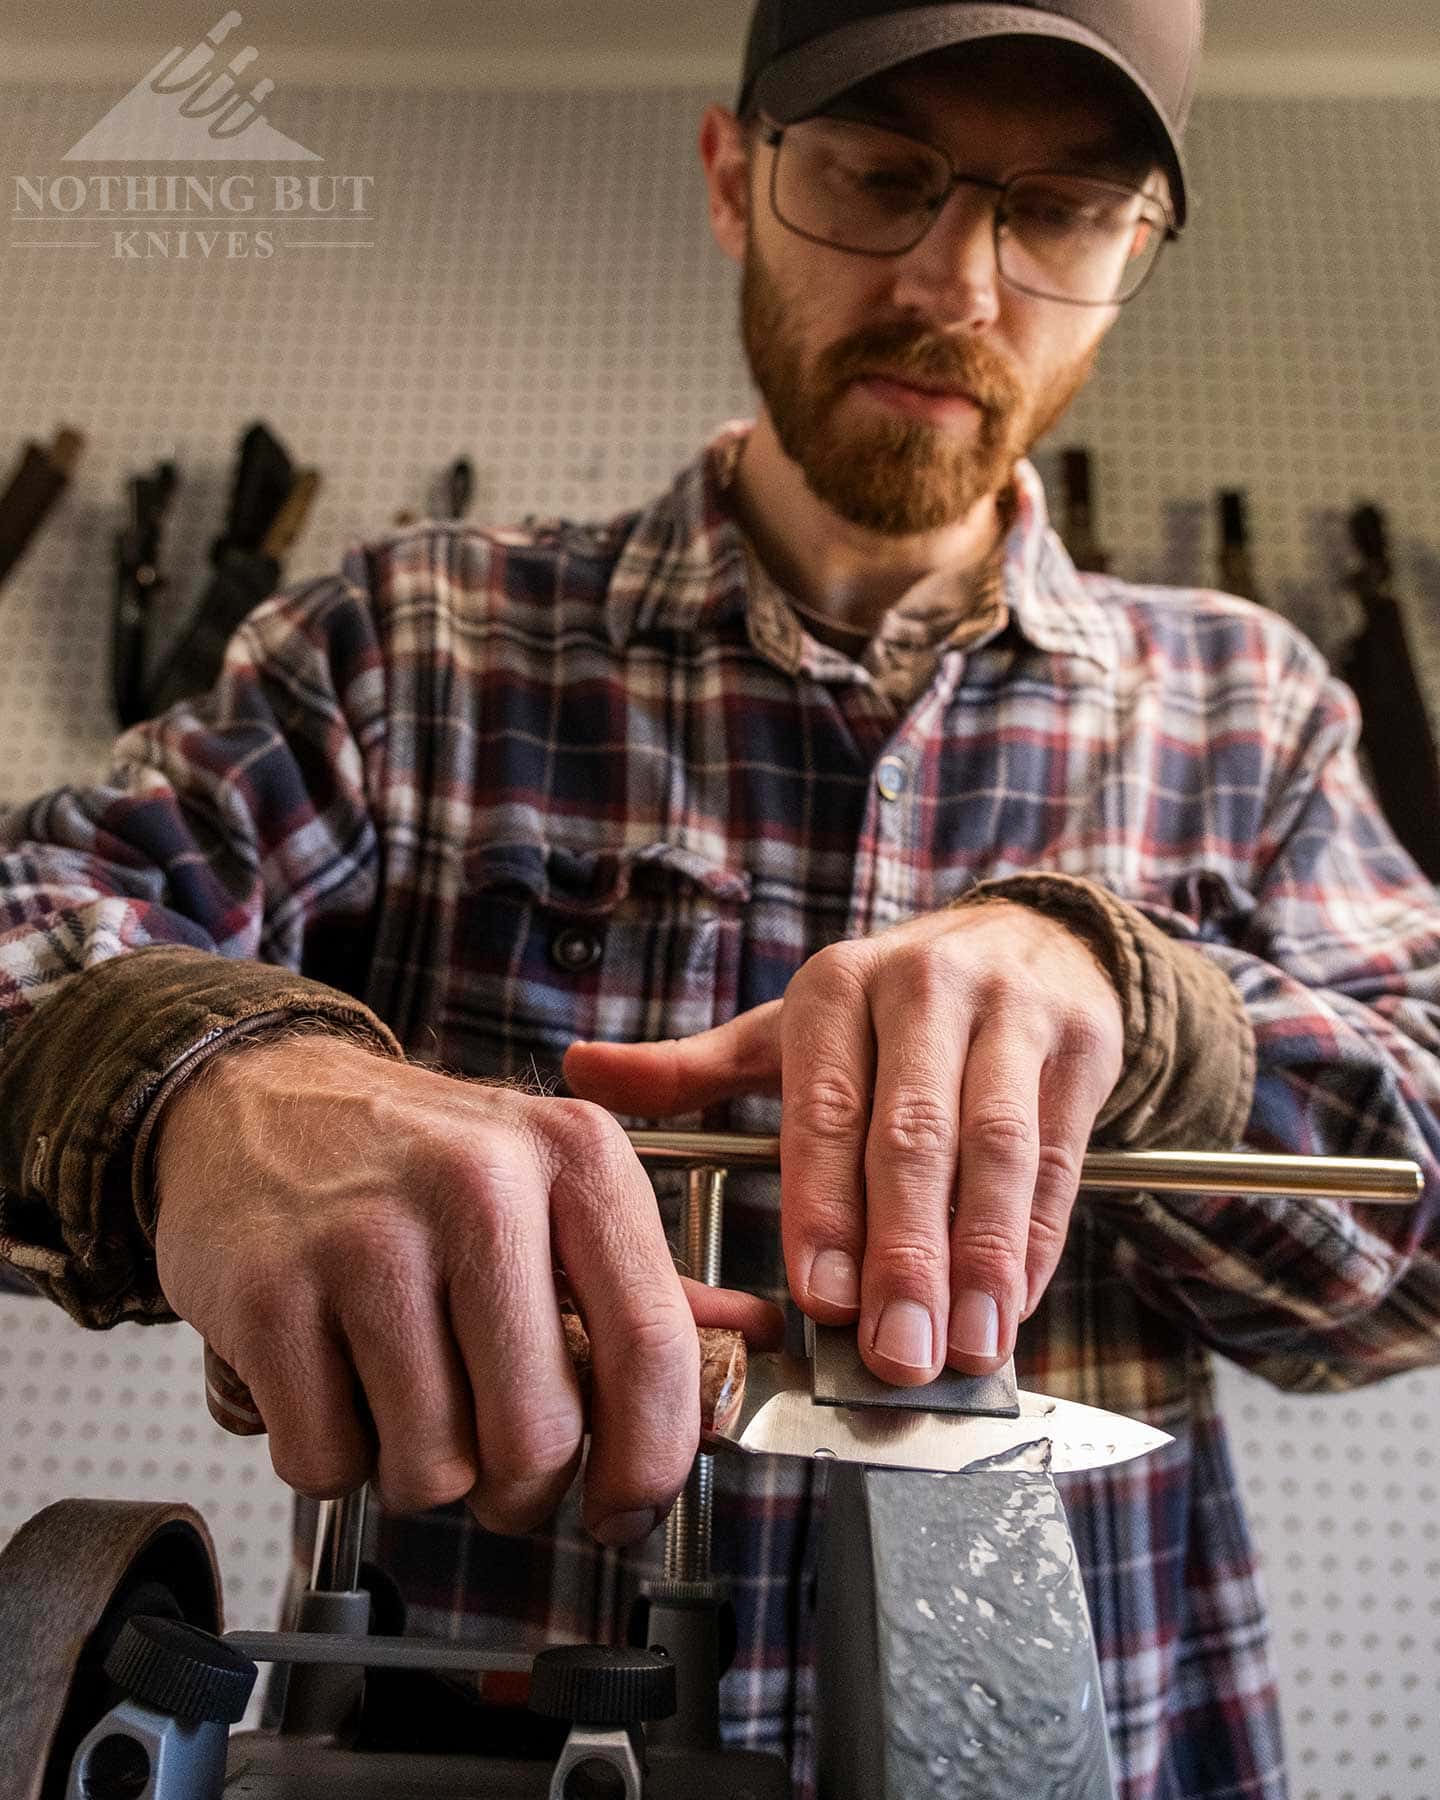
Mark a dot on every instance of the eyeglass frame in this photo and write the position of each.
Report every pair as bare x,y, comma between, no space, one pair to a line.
774,135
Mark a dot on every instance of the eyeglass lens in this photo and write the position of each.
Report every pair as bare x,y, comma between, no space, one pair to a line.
1064,236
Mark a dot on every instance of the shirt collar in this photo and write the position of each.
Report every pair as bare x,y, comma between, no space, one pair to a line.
683,567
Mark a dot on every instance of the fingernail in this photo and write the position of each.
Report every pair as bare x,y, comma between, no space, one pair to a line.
974,1324
626,1528
905,1334
835,1279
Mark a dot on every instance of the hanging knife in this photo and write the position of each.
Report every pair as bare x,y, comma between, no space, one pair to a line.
459,488
1078,531
34,489
270,501
139,586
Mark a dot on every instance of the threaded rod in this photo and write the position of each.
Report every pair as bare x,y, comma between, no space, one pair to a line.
687,1530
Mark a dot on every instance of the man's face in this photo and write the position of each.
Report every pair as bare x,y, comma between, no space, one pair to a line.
818,321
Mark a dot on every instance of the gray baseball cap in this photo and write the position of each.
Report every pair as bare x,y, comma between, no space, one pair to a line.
802,54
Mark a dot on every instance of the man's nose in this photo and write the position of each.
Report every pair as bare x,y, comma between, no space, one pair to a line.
952,272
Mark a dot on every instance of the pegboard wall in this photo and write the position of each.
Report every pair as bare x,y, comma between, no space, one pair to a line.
535,286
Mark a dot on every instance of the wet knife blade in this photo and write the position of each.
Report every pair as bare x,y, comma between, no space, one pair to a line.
777,1416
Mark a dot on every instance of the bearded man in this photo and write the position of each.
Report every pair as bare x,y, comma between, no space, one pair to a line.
819,795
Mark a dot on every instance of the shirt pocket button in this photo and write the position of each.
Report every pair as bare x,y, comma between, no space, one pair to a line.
575,949
892,777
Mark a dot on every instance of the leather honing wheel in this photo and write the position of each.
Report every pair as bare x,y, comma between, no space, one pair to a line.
69,1579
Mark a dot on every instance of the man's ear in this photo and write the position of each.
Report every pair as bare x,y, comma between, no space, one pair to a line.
726,158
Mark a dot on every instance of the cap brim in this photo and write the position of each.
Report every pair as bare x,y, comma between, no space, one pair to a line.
797,85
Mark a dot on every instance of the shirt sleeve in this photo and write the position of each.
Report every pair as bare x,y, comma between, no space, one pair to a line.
220,882
1335,957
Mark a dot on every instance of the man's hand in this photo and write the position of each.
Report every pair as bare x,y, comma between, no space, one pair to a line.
371,1246
953,1064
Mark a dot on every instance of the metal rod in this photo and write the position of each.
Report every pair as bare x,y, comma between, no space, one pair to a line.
338,1539
687,1530
1379,1180
1387,1182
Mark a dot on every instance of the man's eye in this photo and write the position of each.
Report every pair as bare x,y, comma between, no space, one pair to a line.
1057,210
1047,209
1062,220
890,184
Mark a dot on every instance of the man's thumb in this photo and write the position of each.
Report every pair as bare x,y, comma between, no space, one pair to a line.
678,1075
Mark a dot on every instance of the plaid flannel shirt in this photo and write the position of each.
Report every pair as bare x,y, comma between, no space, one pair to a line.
514,787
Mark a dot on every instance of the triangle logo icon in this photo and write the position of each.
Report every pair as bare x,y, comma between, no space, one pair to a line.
193,106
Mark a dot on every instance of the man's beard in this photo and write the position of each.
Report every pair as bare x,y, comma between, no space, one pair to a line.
895,476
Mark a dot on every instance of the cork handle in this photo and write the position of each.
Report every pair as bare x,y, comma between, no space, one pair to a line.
722,1382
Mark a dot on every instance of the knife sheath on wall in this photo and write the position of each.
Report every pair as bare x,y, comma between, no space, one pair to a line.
771,1404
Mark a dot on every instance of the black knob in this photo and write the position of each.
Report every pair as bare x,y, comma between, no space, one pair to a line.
590,1686
182,1671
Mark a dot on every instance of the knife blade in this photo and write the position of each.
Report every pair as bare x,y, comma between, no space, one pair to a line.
777,1416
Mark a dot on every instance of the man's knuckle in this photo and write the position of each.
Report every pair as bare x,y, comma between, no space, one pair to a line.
990,1254
654,1481
841,965
1029,1026
268,1315
909,1263
829,1105
464,1169
1085,1036
489,1515
535,1448
656,1335
583,1129
826,1224
1029,997
591,1161
670,1479
508,1512
1002,984
919,979
1001,1132
427,1484
915,1127
318,1476
267,1285
1018,1005
1057,1176
386,1285
1047,1237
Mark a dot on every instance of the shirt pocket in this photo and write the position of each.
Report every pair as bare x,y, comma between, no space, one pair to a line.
554,943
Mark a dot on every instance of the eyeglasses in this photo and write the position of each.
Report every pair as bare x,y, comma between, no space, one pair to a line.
1059,236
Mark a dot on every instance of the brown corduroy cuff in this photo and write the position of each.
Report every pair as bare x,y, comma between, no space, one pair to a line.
80,1086
1189,1074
